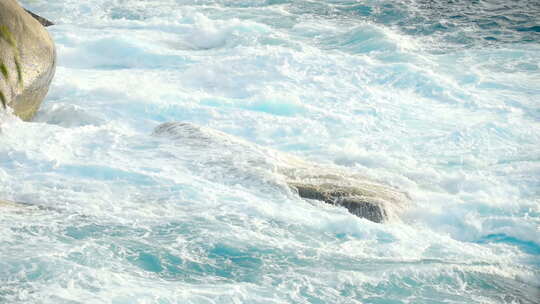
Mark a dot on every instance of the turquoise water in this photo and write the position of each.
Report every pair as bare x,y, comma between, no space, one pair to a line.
437,98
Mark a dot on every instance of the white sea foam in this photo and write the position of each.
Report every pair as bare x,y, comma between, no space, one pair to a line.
124,217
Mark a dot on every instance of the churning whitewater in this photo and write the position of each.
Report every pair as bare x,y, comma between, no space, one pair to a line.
437,99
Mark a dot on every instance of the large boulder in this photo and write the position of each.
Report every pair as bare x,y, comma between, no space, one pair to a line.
228,159
28,59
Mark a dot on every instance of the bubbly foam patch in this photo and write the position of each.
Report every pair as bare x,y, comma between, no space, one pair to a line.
120,216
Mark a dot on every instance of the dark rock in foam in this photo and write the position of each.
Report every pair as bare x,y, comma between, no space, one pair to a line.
29,57
353,199
246,162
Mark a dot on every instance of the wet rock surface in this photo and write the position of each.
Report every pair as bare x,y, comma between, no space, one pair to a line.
247,163
28,58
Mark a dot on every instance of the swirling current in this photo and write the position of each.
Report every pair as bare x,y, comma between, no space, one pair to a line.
439,99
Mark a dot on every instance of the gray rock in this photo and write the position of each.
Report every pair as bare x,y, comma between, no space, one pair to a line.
359,202
226,157
358,194
28,54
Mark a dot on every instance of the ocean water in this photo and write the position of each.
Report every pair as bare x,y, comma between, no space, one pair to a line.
440,99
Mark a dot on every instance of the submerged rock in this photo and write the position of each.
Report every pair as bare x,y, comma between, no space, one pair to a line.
358,201
9,204
246,163
27,60
23,206
358,194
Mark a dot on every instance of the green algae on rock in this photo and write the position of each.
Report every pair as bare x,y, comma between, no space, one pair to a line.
27,60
